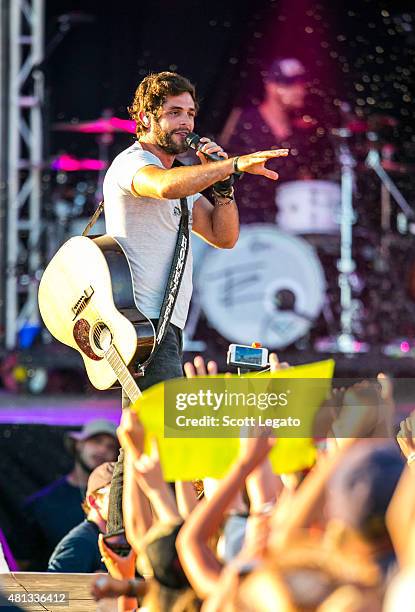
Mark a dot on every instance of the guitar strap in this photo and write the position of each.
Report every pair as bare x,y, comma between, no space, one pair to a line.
177,268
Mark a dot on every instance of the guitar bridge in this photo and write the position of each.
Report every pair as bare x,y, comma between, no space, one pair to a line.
82,303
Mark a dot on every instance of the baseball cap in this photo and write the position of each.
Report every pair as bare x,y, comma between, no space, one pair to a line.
100,477
287,70
362,486
94,428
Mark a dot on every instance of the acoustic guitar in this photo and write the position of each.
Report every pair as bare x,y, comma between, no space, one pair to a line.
86,299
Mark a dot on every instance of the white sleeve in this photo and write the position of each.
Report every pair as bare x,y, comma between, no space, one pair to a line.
131,163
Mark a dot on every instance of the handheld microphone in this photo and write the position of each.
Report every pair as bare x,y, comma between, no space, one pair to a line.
193,141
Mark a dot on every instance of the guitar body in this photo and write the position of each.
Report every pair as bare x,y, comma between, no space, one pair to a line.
87,292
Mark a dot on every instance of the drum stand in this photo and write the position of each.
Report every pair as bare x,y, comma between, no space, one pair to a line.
373,161
388,190
345,342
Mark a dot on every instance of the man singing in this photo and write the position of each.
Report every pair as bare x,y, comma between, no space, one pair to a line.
142,192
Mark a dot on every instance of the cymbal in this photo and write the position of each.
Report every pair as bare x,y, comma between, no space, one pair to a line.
351,129
390,166
358,125
399,167
98,126
68,163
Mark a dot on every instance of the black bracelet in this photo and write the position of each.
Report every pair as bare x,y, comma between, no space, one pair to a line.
235,167
223,200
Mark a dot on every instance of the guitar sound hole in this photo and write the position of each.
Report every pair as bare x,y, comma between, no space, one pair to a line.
102,337
81,334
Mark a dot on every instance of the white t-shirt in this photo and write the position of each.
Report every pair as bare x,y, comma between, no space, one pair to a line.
147,230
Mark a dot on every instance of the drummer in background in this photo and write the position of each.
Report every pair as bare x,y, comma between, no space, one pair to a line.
282,120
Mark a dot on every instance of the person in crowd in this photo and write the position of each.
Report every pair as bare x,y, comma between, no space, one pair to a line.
52,512
401,525
283,119
358,496
275,562
332,543
78,551
152,534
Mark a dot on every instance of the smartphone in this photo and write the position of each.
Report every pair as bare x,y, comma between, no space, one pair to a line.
247,356
118,544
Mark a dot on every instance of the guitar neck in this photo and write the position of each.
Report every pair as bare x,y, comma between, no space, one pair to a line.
123,374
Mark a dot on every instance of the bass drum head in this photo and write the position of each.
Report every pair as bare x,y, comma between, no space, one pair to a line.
240,289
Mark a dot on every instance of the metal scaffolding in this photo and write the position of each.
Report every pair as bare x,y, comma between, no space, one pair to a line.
24,164
4,27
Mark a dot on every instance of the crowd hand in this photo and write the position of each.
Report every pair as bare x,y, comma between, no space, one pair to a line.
199,368
253,450
405,437
359,412
386,385
148,472
131,434
275,365
386,393
328,413
107,586
117,566
254,163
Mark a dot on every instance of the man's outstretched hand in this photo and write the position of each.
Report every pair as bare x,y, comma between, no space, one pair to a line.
254,163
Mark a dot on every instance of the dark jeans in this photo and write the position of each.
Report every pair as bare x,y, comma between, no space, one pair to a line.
168,360
166,364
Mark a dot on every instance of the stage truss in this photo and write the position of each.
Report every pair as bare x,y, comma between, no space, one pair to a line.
24,165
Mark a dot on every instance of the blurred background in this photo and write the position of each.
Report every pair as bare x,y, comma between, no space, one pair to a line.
69,70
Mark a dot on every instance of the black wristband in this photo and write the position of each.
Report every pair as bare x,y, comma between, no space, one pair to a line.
224,188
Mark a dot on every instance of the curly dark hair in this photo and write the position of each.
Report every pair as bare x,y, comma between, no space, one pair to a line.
152,92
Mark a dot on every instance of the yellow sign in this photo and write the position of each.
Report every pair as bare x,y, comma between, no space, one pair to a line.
186,458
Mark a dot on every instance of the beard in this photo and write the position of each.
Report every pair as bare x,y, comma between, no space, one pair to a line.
165,141
79,459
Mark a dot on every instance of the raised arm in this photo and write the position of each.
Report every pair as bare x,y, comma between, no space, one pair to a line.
199,562
401,511
155,182
308,497
186,498
150,478
136,508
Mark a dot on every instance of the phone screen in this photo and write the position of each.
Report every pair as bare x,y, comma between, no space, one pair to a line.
249,355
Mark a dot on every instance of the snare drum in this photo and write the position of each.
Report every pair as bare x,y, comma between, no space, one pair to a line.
308,207
244,291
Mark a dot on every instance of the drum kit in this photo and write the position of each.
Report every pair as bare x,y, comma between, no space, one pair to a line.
332,275
329,276
78,185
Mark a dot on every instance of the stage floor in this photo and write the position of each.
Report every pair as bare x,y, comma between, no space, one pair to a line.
74,589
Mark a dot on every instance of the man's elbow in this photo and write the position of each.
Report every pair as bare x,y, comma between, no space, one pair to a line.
228,243
166,192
